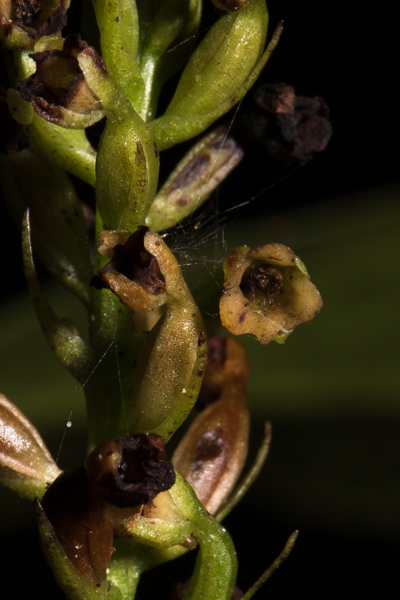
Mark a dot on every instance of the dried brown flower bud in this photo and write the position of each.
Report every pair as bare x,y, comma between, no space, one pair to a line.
291,128
26,465
133,274
58,89
268,292
212,452
22,22
131,471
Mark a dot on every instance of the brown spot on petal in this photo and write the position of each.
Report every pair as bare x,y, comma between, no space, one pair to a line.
192,171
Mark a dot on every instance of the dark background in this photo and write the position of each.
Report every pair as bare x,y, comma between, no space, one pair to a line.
332,475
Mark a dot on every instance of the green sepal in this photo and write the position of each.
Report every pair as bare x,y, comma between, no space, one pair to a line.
58,228
168,373
232,52
68,149
62,335
119,38
162,524
174,24
68,578
128,159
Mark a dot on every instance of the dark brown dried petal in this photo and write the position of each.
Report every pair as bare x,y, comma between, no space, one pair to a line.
133,273
22,22
131,471
291,128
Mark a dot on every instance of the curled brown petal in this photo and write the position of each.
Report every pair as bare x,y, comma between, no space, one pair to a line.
58,90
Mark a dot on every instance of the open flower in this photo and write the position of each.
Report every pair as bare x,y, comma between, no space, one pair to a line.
22,22
58,89
268,292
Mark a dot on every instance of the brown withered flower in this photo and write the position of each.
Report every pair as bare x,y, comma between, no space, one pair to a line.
268,293
77,506
22,22
212,453
131,471
132,273
58,89
291,128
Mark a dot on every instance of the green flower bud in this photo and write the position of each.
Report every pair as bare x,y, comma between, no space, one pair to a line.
194,179
220,71
26,465
211,455
58,89
128,159
22,22
169,370
268,292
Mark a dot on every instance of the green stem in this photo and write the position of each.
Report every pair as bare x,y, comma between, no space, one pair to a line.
114,344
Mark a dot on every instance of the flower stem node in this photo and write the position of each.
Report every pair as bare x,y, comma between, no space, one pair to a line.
268,293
